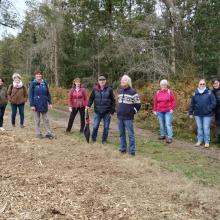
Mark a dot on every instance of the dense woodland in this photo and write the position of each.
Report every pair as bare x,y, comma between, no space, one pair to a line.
147,39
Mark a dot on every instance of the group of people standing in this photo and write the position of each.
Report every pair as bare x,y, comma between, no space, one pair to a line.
205,104
17,95
102,96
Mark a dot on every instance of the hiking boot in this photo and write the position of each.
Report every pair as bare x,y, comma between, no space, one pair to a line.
13,125
21,126
161,138
197,144
104,142
169,141
40,136
206,145
49,136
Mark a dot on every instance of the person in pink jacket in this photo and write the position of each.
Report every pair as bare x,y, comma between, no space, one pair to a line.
77,101
164,105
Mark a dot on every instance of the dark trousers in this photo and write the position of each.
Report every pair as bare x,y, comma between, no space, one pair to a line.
72,117
14,113
2,112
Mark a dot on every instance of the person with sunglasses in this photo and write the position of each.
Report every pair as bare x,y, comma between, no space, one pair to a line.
202,106
216,91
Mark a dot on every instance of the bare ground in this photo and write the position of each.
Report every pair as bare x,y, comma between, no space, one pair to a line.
66,178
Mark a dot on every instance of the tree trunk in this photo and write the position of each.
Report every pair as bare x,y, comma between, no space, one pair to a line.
56,72
171,8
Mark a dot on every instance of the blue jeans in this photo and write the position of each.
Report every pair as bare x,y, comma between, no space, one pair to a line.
203,128
14,113
165,119
2,112
97,119
122,126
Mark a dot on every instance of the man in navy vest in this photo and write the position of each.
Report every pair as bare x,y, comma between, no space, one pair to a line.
104,106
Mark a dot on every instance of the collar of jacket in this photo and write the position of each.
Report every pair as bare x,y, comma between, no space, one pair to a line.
197,92
98,87
125,89
39,83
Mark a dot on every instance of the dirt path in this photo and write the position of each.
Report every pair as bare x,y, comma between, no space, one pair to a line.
212,152
66,178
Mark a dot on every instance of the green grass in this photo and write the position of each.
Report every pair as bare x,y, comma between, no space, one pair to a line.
192,164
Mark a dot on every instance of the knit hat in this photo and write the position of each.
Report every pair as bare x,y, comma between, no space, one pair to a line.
16,75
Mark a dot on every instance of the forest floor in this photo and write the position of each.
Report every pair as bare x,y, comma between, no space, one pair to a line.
66,178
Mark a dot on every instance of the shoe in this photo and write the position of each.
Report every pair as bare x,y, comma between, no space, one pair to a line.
132,155
49,136
40,136
104,142
169,141
13,125
206,145
21,126
197,144
2,129
122,151
161,138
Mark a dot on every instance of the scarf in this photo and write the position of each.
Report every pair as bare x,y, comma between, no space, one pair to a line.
201,90
17,85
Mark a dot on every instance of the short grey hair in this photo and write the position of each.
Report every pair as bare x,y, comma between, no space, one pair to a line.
128,79
163,82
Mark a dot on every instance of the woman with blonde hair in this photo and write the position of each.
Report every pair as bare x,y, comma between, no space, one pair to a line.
17,95
203,108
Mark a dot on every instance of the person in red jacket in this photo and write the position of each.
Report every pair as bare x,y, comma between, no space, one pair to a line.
164,105
77,101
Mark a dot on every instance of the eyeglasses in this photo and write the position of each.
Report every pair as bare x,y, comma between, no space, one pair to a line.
202,84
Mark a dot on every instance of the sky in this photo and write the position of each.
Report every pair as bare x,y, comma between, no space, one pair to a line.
20,7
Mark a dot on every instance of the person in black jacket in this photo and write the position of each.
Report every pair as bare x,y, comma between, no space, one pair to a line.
104,106
128,105
216,92
203,108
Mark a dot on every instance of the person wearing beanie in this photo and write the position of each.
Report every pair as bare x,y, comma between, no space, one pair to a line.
3,102
17,96
40,100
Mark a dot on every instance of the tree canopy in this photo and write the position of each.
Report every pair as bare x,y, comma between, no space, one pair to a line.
146,39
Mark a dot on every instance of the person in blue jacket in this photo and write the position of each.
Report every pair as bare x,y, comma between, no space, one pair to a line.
203,108
40,99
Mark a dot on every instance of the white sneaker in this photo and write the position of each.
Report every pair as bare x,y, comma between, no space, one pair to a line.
197,144
2,129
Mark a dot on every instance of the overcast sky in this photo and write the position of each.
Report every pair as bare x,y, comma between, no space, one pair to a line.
20,7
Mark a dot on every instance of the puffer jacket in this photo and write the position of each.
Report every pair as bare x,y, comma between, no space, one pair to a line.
104,100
